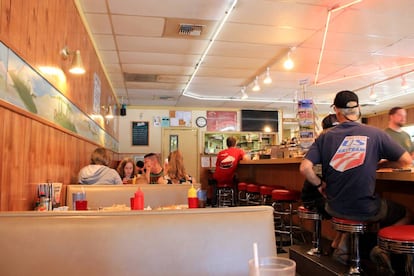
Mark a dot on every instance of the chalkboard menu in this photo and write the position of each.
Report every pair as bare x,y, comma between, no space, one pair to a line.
140,133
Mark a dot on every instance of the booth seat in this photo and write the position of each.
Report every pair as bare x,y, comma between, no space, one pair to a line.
155,195
204,241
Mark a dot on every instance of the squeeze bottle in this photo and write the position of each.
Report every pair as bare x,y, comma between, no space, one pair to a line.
192,197
139,200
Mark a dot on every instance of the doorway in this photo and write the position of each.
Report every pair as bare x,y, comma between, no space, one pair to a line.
185,140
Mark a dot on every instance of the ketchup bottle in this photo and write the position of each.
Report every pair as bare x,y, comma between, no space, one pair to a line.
139,200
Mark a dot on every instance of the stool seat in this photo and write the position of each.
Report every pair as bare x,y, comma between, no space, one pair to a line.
305,213
242,186
253,188
266,190
347,225
398,233
285,195
399,239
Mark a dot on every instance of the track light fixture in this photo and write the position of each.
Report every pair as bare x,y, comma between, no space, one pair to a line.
268,79
256,86
288,64
77,65
372,94
404,84
243,92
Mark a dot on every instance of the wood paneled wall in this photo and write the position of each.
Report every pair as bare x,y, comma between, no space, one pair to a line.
381,120
33,150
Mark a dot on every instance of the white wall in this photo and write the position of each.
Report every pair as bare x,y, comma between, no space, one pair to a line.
155,139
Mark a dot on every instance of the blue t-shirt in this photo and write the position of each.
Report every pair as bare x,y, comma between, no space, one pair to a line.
349,154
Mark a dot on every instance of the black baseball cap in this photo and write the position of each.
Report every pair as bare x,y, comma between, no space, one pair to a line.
346,99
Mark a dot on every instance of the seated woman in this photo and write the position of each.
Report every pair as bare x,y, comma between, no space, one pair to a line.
126,170
98,172
175,171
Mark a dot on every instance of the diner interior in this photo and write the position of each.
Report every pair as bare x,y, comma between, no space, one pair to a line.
138,77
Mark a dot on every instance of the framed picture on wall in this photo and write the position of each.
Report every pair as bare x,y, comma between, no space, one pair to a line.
140,133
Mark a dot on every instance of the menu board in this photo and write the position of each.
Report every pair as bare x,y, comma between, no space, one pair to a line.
140,133
221,120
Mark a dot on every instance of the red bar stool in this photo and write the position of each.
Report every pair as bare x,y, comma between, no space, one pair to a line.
225,195
266,195
399,239
253,194
242,194
354,228
317,217
281,198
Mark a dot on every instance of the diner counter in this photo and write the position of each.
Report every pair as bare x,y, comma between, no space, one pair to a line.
295,160
389,174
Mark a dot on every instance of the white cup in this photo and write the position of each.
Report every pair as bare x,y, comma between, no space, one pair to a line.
269,266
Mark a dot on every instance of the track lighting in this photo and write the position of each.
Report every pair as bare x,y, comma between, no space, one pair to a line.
243,92
372,94
404,84
288,64
268,79
256,86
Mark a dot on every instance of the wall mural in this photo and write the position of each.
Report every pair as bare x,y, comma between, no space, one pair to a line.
22,86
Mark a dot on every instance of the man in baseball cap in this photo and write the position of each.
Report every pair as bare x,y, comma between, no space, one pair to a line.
346,99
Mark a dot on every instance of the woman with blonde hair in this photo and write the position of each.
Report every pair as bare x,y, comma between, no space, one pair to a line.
176,173
126,170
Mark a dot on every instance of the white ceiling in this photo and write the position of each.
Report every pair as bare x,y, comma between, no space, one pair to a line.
366,44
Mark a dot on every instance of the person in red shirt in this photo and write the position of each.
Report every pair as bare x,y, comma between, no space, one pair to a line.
226,164
227,161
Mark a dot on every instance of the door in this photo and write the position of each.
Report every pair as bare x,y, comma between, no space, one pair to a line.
186,141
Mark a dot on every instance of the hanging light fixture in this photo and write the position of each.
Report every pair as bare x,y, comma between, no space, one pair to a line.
256,86
288,64
243,92
268,79
77,64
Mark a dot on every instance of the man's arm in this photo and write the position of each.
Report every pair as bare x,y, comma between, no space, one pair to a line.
404,161
306,169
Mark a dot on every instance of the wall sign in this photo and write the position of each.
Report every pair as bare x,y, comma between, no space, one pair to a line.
140,133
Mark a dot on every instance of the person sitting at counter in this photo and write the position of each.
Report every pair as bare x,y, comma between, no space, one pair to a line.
349,154
397,119
154,172
98,172
175,170
126,170
227,161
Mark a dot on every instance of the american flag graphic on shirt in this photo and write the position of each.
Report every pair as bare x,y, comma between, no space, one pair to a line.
350,154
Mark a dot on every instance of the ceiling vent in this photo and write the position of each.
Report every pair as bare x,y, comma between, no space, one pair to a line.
140,77
166,98
190,29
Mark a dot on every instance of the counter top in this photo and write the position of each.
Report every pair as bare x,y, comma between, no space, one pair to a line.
295,160
388,174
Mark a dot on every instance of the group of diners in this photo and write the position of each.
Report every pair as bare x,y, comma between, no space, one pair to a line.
149,171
